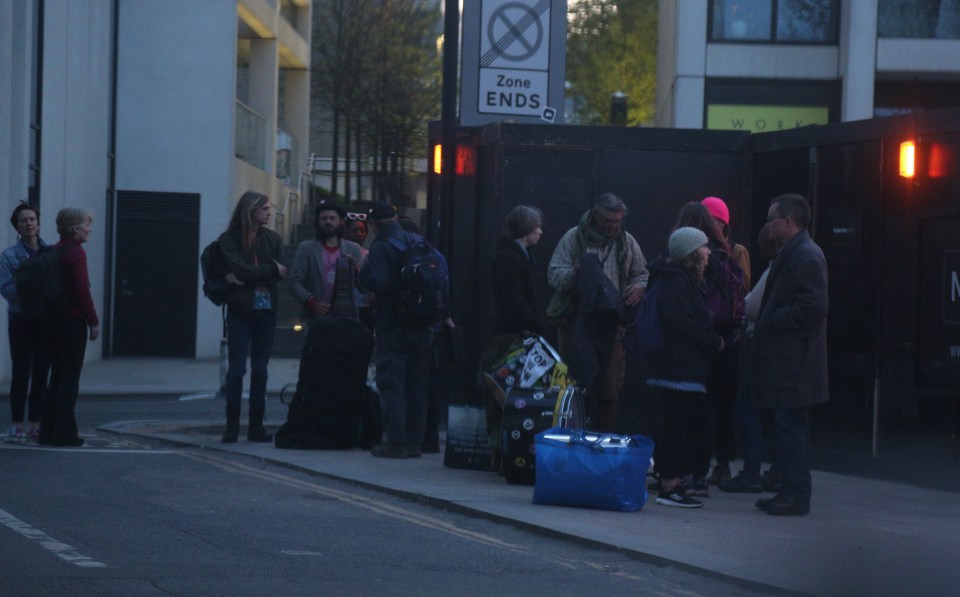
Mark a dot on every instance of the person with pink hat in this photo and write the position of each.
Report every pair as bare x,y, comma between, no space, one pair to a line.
723,378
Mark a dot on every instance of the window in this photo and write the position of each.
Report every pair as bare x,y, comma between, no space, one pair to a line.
919,19
774,21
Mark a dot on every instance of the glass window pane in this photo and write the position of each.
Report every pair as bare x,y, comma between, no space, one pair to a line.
736,20
919,19
805,20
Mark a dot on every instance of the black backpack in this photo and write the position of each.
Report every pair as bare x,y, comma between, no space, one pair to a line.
424,297
39,286
214,269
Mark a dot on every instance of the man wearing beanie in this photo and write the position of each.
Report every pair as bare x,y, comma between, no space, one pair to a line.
402,354
600,233
788,357
679,369
324,264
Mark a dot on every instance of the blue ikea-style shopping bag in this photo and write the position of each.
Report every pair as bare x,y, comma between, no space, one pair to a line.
590,470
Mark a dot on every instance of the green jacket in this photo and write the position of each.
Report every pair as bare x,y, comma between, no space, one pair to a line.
263,272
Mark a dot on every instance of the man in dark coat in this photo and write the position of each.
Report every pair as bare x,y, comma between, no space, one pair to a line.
789,355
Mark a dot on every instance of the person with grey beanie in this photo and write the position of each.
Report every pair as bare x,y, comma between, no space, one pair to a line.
680,368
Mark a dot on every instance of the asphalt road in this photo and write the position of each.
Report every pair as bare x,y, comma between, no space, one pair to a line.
122,517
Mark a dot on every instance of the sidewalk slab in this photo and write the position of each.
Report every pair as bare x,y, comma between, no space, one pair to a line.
862,537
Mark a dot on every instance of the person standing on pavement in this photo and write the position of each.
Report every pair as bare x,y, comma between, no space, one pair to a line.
28,355
402,354
679,369
322,265
600,233
519,307
253,254
788,357
66,336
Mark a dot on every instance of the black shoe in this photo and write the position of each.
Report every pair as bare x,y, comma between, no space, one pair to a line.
763,503
229,436
771,480
388,451
259,435
675,498
414,452
698,487
70,443
720,474
743,483
788,505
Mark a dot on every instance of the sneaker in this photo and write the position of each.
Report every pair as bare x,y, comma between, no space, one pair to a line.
697,488
15,433
388,451
721,472
34,432
744,482
675,498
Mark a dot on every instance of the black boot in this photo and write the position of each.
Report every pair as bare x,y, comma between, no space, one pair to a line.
232,429
255,430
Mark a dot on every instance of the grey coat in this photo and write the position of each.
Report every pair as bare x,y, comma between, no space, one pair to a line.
788,364
305,277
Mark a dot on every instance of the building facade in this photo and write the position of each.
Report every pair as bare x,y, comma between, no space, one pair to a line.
156,116
764,65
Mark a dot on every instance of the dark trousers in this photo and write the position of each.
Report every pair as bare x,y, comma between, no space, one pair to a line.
66,345
30,368
722,387
403,377
685,418
248,333
791,446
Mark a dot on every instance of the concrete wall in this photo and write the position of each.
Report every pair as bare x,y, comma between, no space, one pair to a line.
175,115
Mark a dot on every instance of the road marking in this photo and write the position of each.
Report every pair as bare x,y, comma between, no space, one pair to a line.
59,549
406,515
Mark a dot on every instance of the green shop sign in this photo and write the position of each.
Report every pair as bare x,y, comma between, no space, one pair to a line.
760,119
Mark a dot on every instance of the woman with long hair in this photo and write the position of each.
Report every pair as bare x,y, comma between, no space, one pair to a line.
680,368
253,253
67,334
28,355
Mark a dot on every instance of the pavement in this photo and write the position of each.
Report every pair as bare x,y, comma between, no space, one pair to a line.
862,536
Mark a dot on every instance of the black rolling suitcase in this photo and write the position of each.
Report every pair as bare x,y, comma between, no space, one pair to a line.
527,412
332,397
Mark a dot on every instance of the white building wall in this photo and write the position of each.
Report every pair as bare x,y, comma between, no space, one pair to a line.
76,127
175,115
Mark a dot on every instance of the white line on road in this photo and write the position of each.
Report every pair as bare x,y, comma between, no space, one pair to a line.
61,550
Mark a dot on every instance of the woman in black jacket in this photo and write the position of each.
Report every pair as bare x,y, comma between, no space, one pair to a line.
681,367
518,303
253,253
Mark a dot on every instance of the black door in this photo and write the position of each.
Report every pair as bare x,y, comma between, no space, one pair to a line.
155,291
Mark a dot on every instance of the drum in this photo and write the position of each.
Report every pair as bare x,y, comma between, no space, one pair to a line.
527,412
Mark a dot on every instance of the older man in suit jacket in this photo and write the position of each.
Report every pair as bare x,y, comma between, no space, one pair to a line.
789,356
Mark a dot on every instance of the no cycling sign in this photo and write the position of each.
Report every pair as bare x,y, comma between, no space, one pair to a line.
515,63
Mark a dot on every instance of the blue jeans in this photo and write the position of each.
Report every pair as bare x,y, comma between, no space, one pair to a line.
248,333
403,377
791,445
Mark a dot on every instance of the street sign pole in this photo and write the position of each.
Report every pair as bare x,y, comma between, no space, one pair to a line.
448,122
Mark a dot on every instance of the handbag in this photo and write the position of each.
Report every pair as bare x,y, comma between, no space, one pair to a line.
589,470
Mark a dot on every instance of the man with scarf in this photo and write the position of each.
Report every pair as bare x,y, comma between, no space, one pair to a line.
600,238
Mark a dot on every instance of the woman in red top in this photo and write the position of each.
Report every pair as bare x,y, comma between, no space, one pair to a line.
67,334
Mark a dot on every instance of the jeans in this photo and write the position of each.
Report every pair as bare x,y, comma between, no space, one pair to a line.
248,333
791,445
403,377
66,346
30,368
